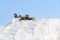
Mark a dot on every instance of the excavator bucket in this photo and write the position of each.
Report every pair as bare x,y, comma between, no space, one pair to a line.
15,15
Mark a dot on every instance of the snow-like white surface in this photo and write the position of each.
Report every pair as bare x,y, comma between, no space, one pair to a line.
42,29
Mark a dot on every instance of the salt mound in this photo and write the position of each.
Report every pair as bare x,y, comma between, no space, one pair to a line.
41,29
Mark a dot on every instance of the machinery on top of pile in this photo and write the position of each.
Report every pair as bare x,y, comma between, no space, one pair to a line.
26,17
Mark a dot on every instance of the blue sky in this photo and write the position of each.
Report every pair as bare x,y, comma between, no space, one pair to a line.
35,8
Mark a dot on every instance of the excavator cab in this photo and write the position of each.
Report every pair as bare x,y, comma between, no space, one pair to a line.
26,17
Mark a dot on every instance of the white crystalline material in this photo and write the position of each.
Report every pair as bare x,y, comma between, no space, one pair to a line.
43,29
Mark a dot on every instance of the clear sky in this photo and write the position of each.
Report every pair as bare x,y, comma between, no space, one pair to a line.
35,8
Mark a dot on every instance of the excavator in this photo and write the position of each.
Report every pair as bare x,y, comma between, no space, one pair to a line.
26,17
